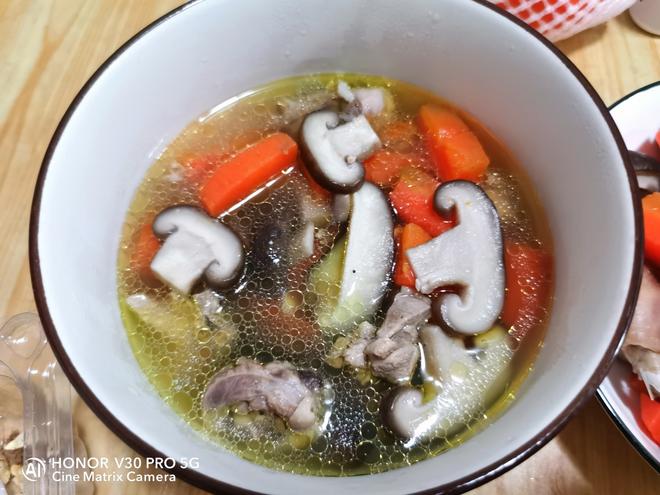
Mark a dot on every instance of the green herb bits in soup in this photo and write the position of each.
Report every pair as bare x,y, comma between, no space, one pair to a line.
336,274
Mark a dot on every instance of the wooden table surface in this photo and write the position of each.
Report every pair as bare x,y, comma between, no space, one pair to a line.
48,49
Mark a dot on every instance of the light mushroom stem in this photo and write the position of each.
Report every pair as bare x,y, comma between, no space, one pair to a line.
196,246
367,260
470,255
465,385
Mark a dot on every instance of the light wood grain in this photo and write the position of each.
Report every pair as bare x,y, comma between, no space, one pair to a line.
49,48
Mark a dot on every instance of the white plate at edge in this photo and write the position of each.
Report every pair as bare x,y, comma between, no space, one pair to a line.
638,117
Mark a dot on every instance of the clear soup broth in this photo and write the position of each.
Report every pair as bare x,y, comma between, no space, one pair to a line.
276,309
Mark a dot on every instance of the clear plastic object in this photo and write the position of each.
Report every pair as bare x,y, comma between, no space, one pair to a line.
28,362
559,19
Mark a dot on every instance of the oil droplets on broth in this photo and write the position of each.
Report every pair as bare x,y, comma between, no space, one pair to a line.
275,312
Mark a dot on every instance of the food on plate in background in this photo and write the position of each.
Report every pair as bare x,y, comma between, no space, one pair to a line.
641,347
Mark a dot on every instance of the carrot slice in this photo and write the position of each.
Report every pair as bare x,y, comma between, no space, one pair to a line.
402,146
651,207
649,410
411,235
400,135
412,198
528,283
383,167
242,174
454,149
145,248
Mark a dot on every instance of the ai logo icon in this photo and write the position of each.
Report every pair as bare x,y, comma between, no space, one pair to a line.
33,468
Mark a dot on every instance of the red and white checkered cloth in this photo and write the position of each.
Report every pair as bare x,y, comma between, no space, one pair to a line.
559,19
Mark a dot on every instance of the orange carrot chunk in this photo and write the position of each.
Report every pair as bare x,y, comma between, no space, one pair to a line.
411,235
651,207
402,146
145,248
412,198
400,135
649,410
245,172
528,284
383,167
454,149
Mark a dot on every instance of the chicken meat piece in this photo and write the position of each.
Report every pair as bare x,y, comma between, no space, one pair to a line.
394,353
642,345
391,350
274,388
409,311
354,353
394,359
646,365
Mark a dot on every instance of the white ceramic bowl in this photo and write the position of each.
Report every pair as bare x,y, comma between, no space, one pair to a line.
636,115
469,52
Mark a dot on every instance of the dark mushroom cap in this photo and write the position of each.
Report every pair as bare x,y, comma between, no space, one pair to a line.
163,224
644,163
323,159
227,267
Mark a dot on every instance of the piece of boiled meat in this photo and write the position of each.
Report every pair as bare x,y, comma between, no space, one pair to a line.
275,388
354,353
393,351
